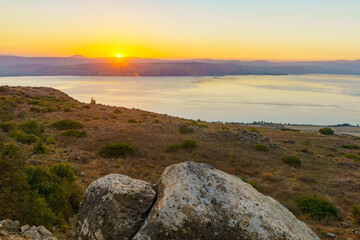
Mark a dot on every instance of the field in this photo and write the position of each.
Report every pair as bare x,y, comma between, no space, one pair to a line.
325,171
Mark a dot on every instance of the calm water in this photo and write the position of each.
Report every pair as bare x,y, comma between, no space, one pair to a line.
311,99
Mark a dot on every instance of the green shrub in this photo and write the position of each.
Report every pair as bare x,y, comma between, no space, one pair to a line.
7,126
35,109
189,144
173,148
157,121
116,111
66,124
50,140
68,110
347,146
317,207
117,149
31,126
355,211
290,130
21,114
184,128
292,160
11,151
253,184
40,148
203,126
261,147
326,131
252,129
92,101
74,133
33,102
132,120
22,137
351,156
224,128
65,172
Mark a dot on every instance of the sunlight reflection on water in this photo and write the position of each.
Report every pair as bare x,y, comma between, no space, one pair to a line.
311,99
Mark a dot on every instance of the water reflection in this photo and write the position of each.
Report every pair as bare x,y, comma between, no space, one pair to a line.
312,99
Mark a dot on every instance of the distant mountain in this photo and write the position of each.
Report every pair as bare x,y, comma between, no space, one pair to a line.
81,66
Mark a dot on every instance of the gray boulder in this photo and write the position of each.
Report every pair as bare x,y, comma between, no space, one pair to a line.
38,233
114,207
196,201
10,226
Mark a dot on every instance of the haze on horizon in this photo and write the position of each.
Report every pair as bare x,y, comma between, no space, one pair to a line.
247,29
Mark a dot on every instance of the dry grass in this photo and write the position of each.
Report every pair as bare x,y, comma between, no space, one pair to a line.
324,170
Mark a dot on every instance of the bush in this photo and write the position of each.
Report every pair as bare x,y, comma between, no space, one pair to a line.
50,140
350,146
189,144
132,120
11,151
7,126
68,110
92,101
351,156
224,128
74,133
31,126
66,124
290,130
292,160
40,148
326,131
261,147
203,126
117,149
252,129
355,211
116,111
317,207
184,128
22,137
173,148
21,114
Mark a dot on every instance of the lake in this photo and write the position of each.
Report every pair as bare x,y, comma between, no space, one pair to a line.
303,99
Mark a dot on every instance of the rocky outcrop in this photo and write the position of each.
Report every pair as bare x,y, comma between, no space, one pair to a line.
12,230
194,201
114,207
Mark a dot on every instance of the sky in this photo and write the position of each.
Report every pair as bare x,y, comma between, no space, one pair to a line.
173,29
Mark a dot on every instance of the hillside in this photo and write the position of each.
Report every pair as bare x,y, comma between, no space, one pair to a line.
327,169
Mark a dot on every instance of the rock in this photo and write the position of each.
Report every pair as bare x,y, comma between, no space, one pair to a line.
10,226
345,224
32,233
82,174
330,235
196,201
114,207
44,232
24,228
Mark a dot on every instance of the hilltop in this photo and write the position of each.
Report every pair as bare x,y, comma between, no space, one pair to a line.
329,163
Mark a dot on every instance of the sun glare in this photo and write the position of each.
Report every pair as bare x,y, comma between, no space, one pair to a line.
118,55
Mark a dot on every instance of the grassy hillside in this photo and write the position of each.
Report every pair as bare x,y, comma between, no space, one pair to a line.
328,167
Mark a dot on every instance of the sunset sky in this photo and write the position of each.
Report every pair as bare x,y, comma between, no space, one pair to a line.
226,29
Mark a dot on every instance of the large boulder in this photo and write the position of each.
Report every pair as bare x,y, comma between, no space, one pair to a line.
9,225
114,207
196,201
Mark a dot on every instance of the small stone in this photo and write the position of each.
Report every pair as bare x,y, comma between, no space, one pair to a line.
24,228
82,174
345,224
32,233
331,235
44,232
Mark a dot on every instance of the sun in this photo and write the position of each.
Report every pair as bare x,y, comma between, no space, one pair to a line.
118,55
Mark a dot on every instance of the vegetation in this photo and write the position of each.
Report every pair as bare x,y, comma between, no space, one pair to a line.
261,147
131,120
74,133
203,126
355,211
326,131
189,144
184,128
290,130
348,146
317,207
117,149
66,124
351,156
253,184
10,151
7,126
292,160
173,148
116,111
40,148
92,101
22,137
31,127
50,140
